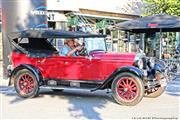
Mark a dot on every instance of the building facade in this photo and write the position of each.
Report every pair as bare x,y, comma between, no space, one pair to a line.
90,16
94,17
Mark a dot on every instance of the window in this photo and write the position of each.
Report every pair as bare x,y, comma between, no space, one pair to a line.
95,44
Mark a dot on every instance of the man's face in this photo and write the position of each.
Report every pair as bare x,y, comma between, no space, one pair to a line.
70,42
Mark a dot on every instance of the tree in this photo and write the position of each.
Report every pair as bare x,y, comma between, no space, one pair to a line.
171,7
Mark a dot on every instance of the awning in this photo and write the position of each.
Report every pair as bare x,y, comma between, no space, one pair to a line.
154,23
51,34
102,17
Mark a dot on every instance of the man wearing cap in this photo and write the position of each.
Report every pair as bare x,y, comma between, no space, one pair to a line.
69,48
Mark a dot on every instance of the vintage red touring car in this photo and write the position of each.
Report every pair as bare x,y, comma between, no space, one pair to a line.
36,63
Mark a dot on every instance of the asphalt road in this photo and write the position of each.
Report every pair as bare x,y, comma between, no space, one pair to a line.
173,87
81,104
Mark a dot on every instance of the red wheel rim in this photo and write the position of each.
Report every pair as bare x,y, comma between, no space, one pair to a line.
26,83
127,89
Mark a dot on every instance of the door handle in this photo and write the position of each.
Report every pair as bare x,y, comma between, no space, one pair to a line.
66,63
41,61
79,63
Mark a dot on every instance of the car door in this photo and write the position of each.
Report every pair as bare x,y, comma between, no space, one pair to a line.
52,67
81,68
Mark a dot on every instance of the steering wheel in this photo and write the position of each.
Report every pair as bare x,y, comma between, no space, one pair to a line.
95,51
82,52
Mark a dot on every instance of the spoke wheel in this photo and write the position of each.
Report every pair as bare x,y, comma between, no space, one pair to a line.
127,89
26,84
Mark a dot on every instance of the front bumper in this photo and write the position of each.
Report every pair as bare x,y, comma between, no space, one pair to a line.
155,78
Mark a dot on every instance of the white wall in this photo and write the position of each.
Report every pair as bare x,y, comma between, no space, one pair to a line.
1,47
62,5
117,6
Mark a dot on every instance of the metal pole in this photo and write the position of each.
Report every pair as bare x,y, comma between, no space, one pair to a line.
143,41
128,41
111,41
160,46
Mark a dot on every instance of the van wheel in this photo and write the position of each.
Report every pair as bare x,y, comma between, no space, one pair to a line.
127,89
26,84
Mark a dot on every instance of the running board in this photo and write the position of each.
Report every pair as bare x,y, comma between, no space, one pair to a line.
64,87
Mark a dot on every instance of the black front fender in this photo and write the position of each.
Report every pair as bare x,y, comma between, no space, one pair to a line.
31,68
156,68
134,70
159,67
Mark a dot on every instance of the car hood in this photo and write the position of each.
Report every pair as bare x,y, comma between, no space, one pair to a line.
114,56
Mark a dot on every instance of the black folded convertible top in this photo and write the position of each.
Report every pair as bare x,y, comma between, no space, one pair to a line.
51,34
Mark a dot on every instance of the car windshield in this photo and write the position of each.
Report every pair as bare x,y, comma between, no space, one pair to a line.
92,44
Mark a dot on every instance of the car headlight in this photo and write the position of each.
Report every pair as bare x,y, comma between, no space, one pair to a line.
152,62
139,62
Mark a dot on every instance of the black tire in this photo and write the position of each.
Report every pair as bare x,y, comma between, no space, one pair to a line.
135,91
26,84
156,93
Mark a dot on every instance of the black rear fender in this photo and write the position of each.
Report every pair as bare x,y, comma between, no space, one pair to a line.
31,68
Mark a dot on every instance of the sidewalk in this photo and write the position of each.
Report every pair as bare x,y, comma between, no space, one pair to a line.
3,82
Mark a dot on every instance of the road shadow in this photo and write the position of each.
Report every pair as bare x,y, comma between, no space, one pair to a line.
173,87
83,104
10,91
173,94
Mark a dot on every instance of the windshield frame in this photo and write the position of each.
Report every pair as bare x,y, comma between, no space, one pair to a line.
94,38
